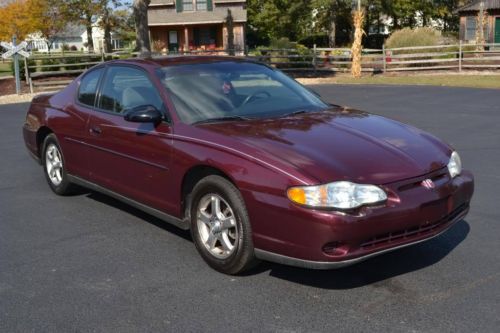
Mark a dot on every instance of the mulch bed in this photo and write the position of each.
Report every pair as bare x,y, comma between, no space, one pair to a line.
8,87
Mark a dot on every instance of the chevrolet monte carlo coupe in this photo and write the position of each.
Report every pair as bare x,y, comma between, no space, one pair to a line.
254,164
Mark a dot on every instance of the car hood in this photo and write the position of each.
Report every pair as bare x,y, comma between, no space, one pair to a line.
342,144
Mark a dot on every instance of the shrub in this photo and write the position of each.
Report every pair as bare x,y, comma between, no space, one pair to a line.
414,37
50,62
283,47
374,41
21,67
73,48
321,40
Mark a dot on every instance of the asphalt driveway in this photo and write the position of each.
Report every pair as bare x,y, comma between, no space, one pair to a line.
90,263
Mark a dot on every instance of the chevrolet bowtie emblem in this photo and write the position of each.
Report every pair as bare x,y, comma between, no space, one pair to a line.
428,184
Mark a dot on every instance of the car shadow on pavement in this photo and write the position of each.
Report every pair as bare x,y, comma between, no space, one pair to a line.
107,200
372,271
377,269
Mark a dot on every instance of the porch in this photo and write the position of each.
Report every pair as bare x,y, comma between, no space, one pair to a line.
188,38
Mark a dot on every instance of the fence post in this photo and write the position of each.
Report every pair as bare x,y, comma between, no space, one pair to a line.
460,57
384,59
314,58
26,70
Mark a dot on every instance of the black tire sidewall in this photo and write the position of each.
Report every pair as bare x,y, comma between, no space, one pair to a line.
243,256
64,187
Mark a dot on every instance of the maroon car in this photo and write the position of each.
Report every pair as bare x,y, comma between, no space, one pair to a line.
253,163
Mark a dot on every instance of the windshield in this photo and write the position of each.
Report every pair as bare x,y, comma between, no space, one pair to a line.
235,91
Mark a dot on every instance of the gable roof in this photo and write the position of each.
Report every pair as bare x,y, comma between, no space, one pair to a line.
475,5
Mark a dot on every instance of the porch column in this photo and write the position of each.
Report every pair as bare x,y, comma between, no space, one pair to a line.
186,38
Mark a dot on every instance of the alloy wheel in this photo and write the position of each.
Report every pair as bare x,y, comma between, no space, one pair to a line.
216,224
54,164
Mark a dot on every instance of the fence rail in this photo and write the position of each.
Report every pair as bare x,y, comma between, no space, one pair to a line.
457,57
422,58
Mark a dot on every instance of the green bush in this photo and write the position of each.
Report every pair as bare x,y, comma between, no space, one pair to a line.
414,37
21,67
48,61
284,47
321,40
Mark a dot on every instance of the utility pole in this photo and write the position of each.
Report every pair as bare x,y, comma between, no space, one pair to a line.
16,66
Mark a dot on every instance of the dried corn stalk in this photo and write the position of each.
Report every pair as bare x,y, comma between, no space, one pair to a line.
357,47
481,26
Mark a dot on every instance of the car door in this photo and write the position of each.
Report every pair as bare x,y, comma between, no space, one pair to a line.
74,130
131,159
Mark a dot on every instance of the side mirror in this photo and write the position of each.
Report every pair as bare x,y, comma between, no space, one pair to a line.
144,114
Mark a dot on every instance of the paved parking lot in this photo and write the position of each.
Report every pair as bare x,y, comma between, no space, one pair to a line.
90,263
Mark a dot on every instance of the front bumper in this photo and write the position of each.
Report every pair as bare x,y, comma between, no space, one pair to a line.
324,265
413,214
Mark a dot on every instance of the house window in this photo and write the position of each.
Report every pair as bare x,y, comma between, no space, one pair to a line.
187,5
201,4
470,28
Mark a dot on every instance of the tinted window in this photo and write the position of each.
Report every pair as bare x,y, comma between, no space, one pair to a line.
125,88
88,87
223,89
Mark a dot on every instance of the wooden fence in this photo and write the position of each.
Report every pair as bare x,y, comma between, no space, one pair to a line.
444,57
457,57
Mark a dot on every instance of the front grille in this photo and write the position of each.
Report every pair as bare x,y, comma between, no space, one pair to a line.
413,232
436,177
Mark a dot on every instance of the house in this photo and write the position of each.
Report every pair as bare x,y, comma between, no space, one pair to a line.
187,25
75,38
468,21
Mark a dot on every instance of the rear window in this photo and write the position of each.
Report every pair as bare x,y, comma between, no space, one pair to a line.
88,87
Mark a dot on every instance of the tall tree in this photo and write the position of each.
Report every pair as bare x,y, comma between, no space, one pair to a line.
334,17
86,13
143,44
16,19
276,19
48,19
230,33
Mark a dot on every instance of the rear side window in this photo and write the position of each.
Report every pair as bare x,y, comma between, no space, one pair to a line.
88,87
125,88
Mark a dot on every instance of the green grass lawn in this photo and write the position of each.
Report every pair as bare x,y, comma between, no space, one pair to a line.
474,81
5,69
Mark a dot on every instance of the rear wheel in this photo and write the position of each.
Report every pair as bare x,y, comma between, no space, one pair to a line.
54,167
220,226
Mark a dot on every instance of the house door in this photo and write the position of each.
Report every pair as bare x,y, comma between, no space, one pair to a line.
173,42
497,30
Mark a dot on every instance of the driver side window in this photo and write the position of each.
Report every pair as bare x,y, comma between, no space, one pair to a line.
125,88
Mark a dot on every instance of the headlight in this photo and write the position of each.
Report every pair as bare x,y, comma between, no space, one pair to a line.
455,165
339,195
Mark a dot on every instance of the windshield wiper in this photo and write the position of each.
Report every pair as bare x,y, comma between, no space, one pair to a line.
294,113
221,119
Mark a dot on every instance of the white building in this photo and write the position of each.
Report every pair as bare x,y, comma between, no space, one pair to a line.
75,37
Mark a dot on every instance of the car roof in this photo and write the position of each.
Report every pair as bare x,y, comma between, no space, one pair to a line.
178,60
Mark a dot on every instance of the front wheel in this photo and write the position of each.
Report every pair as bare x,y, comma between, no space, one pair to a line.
54,166
220,226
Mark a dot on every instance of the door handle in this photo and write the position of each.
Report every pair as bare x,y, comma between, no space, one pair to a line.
95,130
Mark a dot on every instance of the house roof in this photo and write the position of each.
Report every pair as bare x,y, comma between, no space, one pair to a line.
475,5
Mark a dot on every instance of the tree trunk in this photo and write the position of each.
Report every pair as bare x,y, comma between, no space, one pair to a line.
107,31
230,33
90,39
331,34
107,39
143,44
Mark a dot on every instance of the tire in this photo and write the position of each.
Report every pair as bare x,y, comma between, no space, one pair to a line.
54,166
223,241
